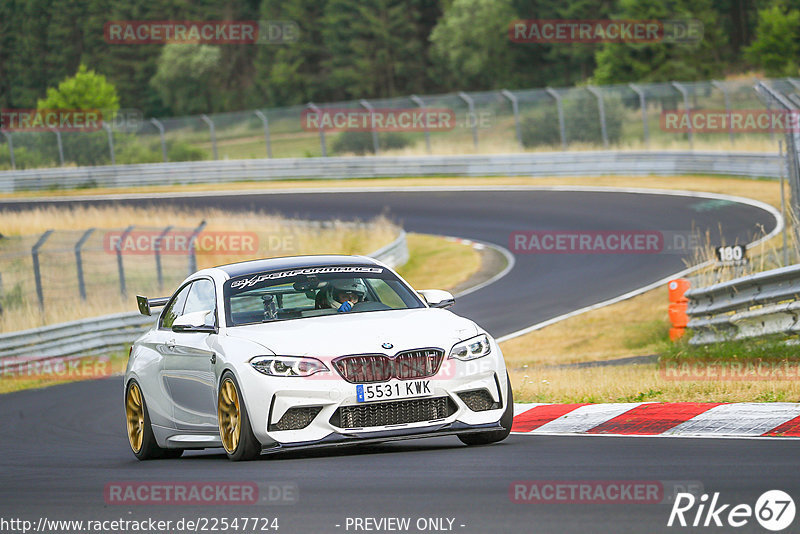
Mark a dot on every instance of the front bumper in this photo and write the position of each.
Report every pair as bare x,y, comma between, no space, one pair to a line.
267,405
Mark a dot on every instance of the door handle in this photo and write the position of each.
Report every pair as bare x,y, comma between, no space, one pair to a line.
171,344
213,358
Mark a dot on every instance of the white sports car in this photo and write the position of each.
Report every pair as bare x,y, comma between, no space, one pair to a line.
310,351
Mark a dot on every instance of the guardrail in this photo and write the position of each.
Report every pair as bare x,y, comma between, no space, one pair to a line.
112,333
751,306
590,163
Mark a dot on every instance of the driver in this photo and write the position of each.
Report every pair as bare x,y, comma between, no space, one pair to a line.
344,294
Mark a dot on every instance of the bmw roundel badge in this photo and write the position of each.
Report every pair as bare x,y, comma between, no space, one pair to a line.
387,345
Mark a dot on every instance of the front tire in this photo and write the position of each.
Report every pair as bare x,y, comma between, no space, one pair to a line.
485,438
234,423
140,431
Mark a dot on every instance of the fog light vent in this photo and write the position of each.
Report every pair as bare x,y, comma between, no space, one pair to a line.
296,418
479,400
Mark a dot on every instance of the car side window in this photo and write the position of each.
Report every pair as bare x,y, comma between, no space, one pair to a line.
202,298
175,308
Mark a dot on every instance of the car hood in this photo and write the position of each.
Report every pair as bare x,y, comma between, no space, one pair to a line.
360,333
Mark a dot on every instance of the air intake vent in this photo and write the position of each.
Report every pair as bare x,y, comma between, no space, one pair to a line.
296,418
393,413
479,400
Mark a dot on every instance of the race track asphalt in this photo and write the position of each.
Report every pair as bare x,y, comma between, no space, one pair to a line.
61,446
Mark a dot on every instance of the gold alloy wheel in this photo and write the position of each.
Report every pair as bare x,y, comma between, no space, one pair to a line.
230,415
134,410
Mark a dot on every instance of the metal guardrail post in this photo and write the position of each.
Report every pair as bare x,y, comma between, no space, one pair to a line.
10,149
157,254
157,124
727,98
601,110
107,128
682,90
1,293
515,108
561,125
265,122
471,106
37,273
60,145
193,247
120,267
368,107
212,132
418,101
79,261
322,143
642,104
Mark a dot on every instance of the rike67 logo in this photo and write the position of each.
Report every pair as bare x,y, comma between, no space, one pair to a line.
774,510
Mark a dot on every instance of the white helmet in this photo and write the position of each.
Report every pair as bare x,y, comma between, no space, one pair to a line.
335,287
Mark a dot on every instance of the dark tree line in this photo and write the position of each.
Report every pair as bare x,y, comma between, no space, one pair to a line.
371,49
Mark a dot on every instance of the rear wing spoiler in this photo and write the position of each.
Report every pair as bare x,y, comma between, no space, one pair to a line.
145,303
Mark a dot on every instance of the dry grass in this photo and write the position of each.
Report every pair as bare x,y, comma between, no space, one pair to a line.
437,263
294,238
502,144
764,190
629,328
638,383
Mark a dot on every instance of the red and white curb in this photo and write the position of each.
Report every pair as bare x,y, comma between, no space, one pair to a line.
681,419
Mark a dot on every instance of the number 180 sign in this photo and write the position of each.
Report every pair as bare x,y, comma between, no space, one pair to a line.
731,255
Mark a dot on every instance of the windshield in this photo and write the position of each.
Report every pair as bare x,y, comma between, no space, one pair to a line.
314,292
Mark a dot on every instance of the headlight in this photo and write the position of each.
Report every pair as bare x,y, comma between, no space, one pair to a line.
476,347
287,365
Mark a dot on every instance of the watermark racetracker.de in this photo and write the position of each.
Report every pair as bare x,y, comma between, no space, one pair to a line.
684,31
205,493
603,242
730,121
184,242
55,369
217,32
601,491
753,370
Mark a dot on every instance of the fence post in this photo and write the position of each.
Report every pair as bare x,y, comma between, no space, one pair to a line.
471,105
159,272
265,122
79,261
515,108
322,144
60,145
37,274
213,134
726,97
418,101
120,268
193,247
602,111
783,204
642,104
368,107
561,125
682,90
110,143
157,124
10,149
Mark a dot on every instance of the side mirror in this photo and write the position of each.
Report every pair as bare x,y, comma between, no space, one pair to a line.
195,322
436,298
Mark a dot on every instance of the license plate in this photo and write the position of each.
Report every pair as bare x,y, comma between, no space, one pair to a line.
393,390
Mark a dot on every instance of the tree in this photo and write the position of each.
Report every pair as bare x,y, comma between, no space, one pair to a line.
470,44
85,90
373,50
188,78
663,61
777,41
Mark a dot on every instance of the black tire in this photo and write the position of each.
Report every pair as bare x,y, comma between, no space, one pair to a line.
247,446
485,438
149,449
